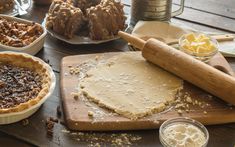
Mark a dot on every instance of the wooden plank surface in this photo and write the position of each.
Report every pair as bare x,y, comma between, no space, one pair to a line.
76,111
222,8
209,19
8,140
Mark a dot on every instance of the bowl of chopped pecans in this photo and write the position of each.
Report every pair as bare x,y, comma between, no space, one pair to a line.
21,35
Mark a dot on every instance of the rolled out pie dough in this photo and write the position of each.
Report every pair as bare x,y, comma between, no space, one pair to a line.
130,86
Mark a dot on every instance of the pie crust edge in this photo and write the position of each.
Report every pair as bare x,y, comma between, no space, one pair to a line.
26,61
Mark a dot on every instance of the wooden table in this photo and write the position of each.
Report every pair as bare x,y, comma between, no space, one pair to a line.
206,15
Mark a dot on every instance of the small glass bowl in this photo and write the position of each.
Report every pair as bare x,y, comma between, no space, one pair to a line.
205,57
181,120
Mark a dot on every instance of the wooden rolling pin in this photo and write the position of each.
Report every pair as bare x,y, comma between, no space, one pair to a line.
192,70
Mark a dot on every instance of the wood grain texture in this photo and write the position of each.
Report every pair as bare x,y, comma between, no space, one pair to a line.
76,111
209,19
222,8
8,140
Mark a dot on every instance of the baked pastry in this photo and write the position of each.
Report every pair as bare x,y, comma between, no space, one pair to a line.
64,19
16,34
6,5
24,81
84,4
105,19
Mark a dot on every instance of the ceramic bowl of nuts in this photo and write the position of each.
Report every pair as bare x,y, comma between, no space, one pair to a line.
20,35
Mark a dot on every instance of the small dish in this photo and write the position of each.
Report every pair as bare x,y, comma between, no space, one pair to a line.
33,48
204,56
183,131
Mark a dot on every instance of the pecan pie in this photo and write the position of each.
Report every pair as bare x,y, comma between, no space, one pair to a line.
24,81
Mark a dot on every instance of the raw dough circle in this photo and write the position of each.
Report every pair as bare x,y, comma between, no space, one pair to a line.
130,86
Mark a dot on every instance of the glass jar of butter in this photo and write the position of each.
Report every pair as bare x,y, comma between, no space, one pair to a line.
199,46
183,132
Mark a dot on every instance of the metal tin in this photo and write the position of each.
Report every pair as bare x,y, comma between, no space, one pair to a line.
153,10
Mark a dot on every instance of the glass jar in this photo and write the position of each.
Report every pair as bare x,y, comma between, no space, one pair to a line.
164,139
205,56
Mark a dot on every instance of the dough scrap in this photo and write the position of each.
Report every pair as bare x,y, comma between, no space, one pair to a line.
130,86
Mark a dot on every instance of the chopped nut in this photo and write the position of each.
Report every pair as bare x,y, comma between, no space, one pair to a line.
75,95
25,122
49,126
90,113
50,133
2,84
188,99
77,71
74,70
180,111
71,71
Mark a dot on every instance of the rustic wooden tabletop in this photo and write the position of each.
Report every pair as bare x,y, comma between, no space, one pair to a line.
205,15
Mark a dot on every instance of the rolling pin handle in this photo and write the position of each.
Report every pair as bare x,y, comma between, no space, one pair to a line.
135,41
